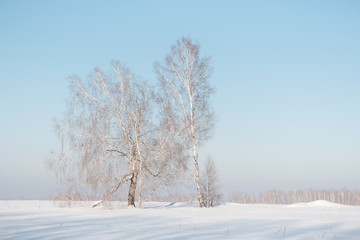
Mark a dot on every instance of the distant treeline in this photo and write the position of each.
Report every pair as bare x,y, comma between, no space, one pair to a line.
341,196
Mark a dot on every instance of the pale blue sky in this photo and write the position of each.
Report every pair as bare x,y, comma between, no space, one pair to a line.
286,72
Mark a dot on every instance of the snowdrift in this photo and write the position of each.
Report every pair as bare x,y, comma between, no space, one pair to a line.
318,203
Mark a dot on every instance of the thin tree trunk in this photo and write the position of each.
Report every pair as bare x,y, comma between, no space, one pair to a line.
109,194
140,189
197,178
140,177
132,190
207,188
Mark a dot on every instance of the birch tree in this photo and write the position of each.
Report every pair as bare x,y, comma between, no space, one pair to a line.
210,183
185,97
110,135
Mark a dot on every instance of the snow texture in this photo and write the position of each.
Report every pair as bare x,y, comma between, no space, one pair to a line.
57,220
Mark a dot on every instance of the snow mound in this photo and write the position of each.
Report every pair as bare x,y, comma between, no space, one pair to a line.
154,205
323,203
317,203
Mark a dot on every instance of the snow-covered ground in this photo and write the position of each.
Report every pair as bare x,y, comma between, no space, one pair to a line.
55,220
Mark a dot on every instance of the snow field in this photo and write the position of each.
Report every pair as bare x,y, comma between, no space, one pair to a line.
52,220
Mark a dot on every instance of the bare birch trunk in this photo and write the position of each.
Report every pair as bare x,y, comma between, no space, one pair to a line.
140,188
207,191
132,189
197,178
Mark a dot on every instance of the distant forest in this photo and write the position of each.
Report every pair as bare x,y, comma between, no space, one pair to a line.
342,196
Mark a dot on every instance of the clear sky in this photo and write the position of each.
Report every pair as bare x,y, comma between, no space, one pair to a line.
287,78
